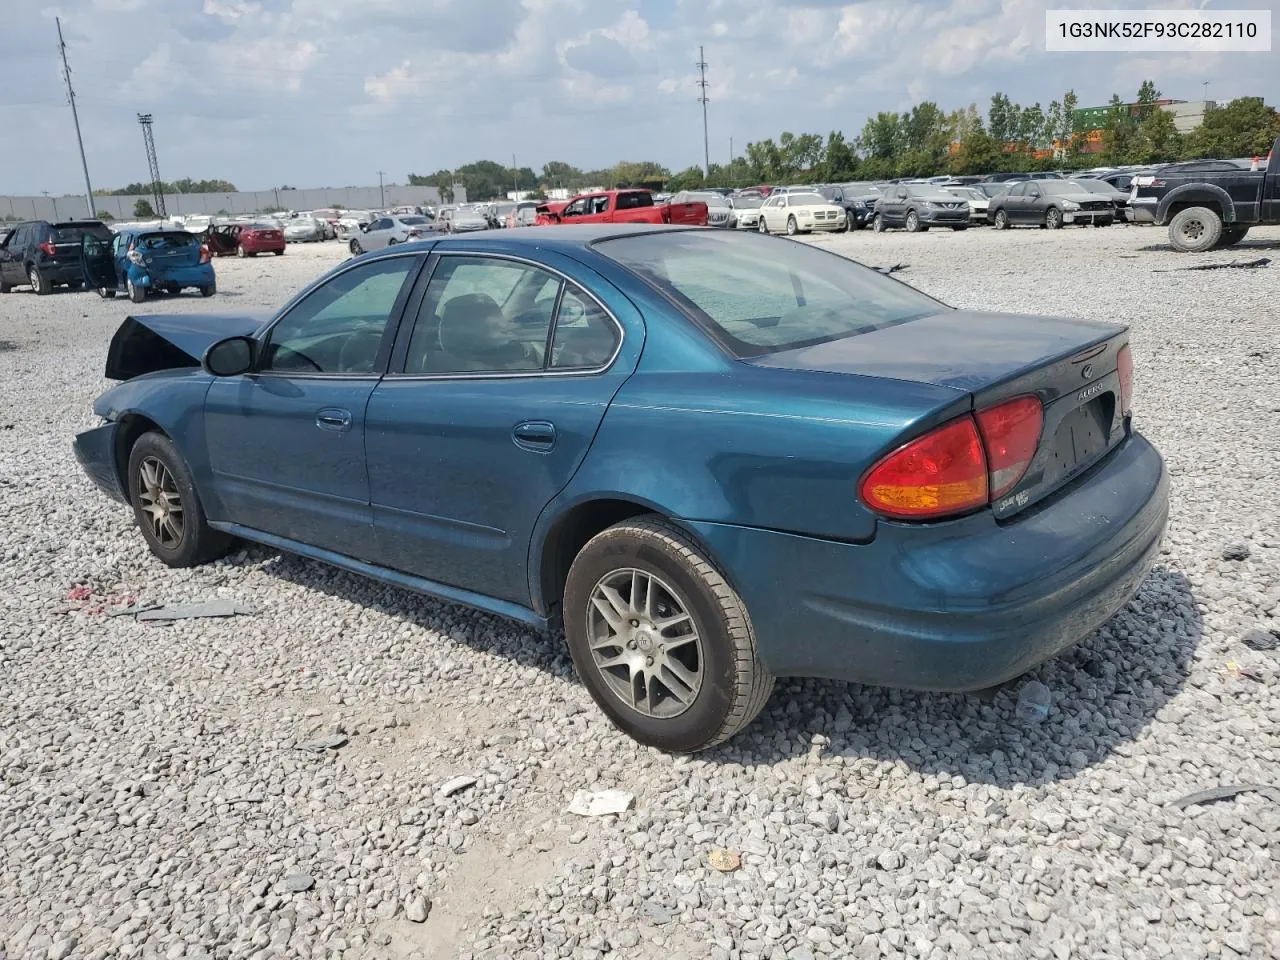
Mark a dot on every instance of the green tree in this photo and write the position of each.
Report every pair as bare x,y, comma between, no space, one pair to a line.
104,215
1067,130
142,209
556,173
1158,139
765,160
1119,134
1003,118
1245,127
838,160
979,152
1146,103
690,178
1031,127
881,142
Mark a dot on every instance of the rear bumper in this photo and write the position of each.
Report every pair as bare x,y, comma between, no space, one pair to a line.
200,275
96,451
264,247
952,606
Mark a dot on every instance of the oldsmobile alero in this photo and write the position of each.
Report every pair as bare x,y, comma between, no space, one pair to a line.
718,458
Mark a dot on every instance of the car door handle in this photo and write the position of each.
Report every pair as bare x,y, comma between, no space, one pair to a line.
537,435
333,418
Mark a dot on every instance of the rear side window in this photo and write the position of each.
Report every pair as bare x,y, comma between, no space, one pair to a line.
72,232
758,295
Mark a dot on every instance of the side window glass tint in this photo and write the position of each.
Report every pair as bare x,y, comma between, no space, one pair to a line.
338,327
483,315
584,336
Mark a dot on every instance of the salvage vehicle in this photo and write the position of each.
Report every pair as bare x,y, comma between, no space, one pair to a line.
746,210
463,219
388,231
1049,203
245,239
1210,203
720,212
919,206
1101,188
46,255
977,200
524,214
716,457
799,213
306,229
621,206
859,201
142,261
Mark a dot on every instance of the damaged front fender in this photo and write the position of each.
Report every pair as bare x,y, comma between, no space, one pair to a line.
154,342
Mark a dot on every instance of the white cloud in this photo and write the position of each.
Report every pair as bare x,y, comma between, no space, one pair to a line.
551,77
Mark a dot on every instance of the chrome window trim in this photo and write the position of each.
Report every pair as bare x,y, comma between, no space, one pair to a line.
522,374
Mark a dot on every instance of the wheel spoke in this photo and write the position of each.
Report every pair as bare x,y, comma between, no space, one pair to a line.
607,610
619,605
669,622
682,674
676,642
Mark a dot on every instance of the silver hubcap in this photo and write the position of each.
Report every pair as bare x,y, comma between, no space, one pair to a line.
644,643
159,500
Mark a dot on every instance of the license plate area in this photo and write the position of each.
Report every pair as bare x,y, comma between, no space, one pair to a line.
1082,436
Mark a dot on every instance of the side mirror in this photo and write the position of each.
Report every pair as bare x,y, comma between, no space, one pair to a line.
230,357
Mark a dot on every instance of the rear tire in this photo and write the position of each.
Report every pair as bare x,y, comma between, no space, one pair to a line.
657,572
241,252
209,290
106,293
958,229
39,283
5,286
167,507
278,253
1195,230
136,294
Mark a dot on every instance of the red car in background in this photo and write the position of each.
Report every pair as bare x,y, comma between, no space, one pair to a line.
621,206
245,239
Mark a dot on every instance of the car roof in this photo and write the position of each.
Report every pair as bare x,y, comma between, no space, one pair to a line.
561,239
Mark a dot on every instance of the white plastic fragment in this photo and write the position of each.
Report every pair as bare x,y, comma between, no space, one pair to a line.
600,803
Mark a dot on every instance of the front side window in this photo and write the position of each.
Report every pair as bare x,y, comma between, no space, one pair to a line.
338,327
759,296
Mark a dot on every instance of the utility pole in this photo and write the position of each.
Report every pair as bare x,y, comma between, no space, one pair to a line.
382,195
75,117
1206,91
702,99
515,175
157,185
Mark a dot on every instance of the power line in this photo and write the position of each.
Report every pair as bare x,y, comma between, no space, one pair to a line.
703,99
157,185
75,117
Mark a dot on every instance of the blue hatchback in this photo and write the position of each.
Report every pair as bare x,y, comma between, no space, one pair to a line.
138,261
716,457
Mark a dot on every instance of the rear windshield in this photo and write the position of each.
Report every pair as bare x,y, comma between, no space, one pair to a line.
73,232
413,221
169,240
760,295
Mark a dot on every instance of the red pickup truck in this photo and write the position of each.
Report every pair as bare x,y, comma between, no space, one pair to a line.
621,206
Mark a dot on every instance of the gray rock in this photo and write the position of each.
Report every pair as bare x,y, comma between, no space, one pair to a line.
416,909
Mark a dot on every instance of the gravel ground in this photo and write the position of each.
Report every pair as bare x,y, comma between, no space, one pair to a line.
158,797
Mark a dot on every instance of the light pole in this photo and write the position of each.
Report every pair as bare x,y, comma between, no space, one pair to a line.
382,195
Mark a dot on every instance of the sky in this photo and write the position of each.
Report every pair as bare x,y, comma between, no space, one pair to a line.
325,93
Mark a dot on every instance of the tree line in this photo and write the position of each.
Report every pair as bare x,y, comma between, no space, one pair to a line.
924,141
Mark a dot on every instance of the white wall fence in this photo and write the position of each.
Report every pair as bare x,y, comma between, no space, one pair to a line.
72,207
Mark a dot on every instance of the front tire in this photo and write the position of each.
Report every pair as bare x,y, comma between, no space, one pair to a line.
792,228
355,248
1001,220
1053,218
913,222
166,505
241,252
958,229
877,223
661,641
1195,230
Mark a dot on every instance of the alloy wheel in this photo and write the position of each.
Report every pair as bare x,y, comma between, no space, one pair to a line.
645,643
159,499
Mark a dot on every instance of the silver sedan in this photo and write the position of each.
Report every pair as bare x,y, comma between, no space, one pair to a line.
387,231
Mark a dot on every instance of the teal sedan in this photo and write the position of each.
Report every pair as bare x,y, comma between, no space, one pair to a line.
711,457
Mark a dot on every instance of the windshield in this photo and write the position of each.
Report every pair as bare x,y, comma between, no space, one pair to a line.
1091,186
747,203
1058,188
759,296
807,198
413,221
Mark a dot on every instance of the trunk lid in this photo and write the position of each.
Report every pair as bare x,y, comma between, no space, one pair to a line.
171,248
1070,365
692,214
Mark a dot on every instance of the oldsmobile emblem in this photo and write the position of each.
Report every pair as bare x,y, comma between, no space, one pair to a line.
1086,371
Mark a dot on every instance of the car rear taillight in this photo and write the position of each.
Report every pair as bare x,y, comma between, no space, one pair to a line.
1124,367
937,475
205,256
1010,434
49,249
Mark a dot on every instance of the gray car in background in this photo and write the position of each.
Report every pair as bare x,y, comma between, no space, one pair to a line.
462,220
388,231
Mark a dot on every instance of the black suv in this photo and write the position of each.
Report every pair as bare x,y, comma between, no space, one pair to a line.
46,254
